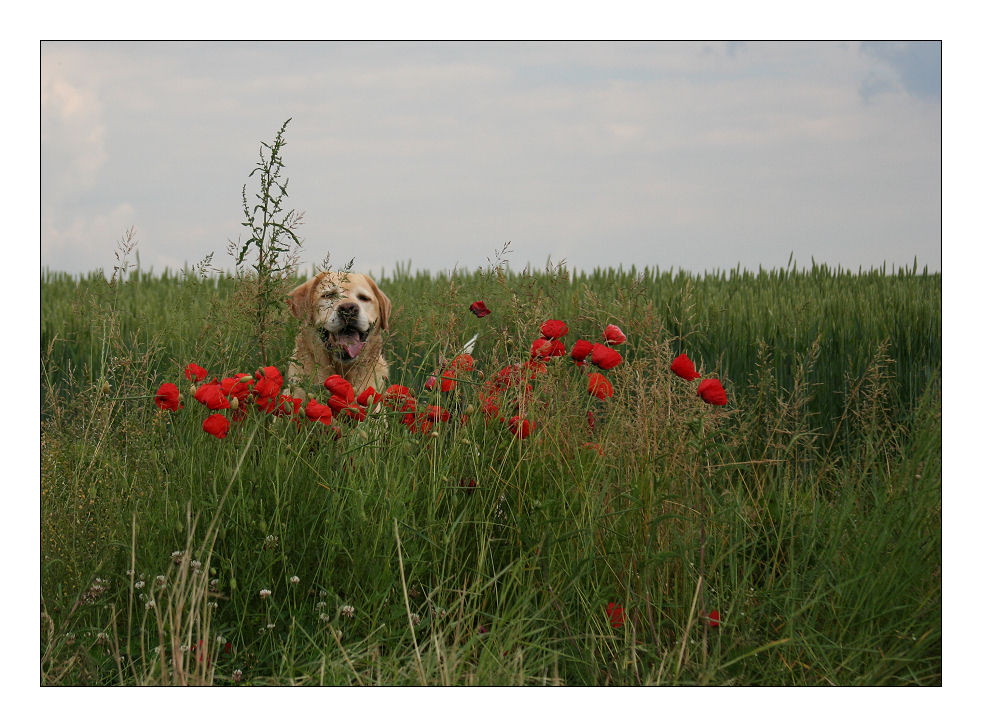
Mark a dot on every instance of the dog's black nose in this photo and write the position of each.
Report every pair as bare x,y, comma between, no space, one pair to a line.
348,310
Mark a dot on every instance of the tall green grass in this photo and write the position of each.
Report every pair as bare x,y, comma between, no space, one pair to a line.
806,511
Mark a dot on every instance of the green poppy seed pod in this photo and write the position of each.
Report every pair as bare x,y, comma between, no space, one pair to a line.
194,389
105,388
233,404
469,409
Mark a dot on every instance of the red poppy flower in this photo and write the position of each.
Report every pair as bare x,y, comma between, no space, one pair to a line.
714,618
589,419
479,309
712,392
533,368
216,425
236,386
605,358
367,395
211,396
595,447
470,484
615,612
268,382
194,372
463,362
684,367
430,383
521,428
545,348
168,397
284,406
318,412
491,409
354,412
554,329
581,349
436,413
396,395
600,386
614,335
342,393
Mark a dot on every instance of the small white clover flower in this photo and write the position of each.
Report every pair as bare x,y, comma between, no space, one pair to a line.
139,584
270,627
415,618
294,580
196,566
265,592
237,675
176,556
348,611
324,616
161,581
150,604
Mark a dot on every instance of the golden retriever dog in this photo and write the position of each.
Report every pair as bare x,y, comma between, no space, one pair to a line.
342,316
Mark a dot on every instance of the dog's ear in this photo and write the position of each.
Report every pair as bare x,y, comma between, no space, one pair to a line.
299,298
384,305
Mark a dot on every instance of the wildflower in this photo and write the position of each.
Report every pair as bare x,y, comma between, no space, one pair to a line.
554,329
342,393
615,612
265,592
318,412
348,611
613,335
581,349
196,566
437,414
683,366
595,447
236,387
368,394
161,581
211,396
398,395
467,483
268,383
167,397
604,357
521,428
414,617
321,605
479,309
216,425
355,412
546,348
271,543
177,556
600,386
138,585
714,618
324,616
430,383
237,676
194,373
294,580
712,392
150,604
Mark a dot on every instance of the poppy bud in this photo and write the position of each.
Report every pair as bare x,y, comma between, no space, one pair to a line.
233,403
468,410
105,388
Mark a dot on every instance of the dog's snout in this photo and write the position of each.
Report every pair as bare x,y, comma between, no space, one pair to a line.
348,310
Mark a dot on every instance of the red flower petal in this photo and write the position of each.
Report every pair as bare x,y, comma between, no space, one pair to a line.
368,394
546,348
211,396
614,335
581,349
194,372
436,413
714,618
683,367
479,309
430,383
600,386
521,428
318,412
712,392
216,425
554,329
168,397
605,358
615,612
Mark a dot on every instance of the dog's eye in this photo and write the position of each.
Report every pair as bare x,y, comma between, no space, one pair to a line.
329,294
364,298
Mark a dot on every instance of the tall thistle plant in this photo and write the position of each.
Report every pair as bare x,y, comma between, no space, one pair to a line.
272,245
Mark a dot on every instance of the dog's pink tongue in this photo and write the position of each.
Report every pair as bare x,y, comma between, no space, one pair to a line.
354,348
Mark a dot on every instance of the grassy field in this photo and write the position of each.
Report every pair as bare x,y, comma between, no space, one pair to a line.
792,536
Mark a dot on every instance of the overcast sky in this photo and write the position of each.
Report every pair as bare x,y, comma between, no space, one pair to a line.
698,156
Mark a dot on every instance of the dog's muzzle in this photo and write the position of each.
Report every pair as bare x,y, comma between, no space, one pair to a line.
347,342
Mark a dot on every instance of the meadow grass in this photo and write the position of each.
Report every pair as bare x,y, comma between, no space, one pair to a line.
806,511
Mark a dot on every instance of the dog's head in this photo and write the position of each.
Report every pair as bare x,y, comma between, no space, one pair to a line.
343,309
